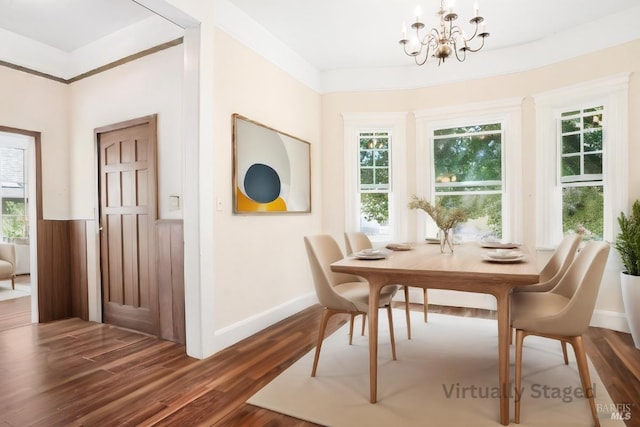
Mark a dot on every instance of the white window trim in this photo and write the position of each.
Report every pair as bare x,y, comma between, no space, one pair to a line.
506,111
396,123
611,92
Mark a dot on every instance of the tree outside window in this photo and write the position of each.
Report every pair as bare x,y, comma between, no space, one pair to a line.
581,160
468,174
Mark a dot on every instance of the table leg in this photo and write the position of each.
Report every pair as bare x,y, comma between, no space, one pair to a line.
502,298
374,302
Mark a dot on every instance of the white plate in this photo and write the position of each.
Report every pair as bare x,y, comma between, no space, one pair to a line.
505,261
504,255
370,256
498,245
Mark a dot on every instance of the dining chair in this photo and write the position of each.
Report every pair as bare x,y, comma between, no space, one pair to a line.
563,313
553,271
557,265
356,241
341,292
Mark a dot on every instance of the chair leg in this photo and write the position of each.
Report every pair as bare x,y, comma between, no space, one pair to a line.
391,334
425,305
564,352
364,322
407,311
583,369
518,374
326,314
351,328
13,283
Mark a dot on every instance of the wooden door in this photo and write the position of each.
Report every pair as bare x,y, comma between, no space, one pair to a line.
127,173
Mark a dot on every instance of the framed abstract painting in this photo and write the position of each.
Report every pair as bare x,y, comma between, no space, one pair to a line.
271,170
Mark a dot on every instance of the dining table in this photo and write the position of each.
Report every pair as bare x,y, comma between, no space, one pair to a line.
468,268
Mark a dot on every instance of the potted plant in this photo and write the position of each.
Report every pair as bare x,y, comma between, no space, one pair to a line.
445,220
628,246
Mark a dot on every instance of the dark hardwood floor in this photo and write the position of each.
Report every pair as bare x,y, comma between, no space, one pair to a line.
77,373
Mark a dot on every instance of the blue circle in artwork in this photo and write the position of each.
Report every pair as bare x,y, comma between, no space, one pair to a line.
262,183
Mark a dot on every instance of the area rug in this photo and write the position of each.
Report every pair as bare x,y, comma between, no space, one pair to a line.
20,291
446,375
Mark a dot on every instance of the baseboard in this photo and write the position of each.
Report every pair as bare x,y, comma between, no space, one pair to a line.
610,320
238,331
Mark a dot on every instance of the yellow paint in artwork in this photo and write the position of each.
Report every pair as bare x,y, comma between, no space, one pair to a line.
245,204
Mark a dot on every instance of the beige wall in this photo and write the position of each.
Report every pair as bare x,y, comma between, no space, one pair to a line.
615,60
260,260
41,105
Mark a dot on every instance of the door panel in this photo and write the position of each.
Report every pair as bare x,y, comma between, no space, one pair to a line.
128,213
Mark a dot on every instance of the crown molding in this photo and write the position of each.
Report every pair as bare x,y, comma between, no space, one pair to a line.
24,54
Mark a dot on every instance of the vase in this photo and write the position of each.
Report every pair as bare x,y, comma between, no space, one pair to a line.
446,240
631,300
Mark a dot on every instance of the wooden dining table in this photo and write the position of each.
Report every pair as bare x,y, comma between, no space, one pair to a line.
463,270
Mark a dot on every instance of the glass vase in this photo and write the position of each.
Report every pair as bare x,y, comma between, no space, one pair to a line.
446,240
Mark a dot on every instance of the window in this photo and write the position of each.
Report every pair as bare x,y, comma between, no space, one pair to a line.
580,138
375,175
470,155
374,183
583,130
467,165
13,193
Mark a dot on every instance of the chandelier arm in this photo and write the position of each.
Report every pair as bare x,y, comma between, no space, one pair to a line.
480,47
475,32
426,56
463,50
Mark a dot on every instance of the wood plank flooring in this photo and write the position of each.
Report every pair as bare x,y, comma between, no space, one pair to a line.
77,373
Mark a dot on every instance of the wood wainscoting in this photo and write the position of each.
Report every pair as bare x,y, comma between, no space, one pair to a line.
170,277
63,280
54,270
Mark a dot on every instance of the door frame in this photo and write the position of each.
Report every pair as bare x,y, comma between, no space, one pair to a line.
151,120
35,188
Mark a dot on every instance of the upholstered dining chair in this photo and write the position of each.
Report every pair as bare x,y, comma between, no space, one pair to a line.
557,265
340,292
553,271
355,241
8,262
563,313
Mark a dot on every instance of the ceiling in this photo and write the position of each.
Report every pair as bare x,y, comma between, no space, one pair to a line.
69,24
332,34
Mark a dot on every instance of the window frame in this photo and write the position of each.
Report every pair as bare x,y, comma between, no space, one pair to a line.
507,112
610,92
395,124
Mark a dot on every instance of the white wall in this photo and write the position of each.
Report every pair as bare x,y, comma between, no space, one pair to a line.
149,85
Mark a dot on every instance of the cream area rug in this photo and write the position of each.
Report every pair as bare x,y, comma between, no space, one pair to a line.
7,293
446,375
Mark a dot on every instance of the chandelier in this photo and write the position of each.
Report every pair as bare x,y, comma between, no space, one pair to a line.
441,42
